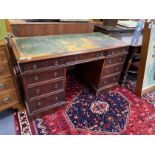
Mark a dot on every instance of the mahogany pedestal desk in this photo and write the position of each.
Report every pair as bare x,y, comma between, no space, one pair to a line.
41,62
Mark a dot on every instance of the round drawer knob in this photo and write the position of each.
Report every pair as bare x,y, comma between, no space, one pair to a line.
120,59
114,79
107,72
117,68
34,66
39,104
37,91
36,78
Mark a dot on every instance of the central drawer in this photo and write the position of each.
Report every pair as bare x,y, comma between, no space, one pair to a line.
42,76
45,102
42,89
83,57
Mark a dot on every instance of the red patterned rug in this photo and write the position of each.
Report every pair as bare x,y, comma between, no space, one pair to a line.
116,112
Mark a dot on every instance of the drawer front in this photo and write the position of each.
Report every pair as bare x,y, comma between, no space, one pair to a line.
34,78
44,89
6,85
47,101
8,98
112,69
109,80
42,64
83,57
114,60
118,51
80,57
4,70
2,56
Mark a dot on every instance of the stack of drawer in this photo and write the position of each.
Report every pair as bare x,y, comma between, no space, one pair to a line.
103,74
44,84
111,70
8,95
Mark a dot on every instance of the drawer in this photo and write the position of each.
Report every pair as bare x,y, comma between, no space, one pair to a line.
51,100
109,80
34,78
118,51
2,56
81,57
6,85
112,69
114,60
10,98
44,89
41,64
4,70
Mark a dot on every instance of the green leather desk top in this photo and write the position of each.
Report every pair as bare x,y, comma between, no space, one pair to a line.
26,48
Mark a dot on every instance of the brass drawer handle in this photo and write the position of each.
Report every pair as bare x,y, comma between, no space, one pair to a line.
98,54
110,61
2,85
56,63
56,86
39,104
34,66
36,78
55,73
110,52
6,99
107,72
37,91
76,58
56,98
105,82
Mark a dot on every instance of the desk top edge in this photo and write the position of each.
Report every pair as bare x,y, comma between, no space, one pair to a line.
16,50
